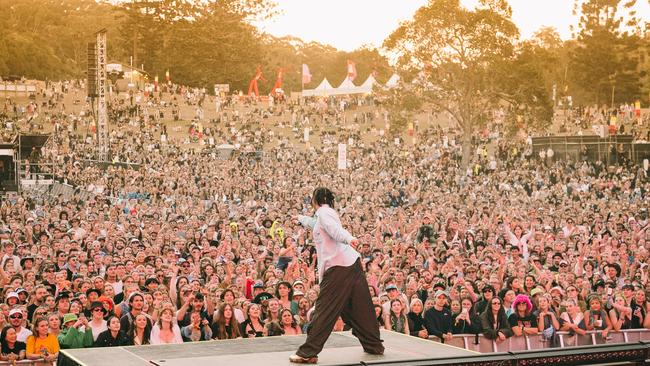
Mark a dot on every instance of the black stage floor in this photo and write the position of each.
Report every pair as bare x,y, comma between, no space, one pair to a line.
341,349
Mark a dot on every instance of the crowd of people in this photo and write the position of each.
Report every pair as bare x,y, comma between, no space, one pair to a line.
187,247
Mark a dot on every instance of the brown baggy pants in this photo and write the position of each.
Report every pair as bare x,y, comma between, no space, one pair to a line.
344,291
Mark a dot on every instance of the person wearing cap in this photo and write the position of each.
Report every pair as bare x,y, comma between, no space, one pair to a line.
393,293
343,286
16,320
97,323
27,263
298,285
12,299
75,333
437,320
258,288
22,295
62,303
488,293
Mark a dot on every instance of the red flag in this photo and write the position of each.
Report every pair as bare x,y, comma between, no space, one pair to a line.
352,70
306,75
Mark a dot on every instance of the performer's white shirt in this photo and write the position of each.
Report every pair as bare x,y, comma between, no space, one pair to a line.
331,240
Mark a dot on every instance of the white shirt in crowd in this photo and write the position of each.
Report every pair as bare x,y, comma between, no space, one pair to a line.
23,334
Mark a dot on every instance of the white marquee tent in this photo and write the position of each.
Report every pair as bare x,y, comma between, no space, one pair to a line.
367,85
347,87
323,89
393,81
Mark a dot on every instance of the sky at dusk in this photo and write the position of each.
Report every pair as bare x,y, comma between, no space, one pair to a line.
349,24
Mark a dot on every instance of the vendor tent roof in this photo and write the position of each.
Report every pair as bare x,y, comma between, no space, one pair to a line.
367,85
324,88
393,81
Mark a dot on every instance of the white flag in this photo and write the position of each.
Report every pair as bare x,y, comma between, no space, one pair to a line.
343,156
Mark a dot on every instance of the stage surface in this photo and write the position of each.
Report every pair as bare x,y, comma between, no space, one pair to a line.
341,349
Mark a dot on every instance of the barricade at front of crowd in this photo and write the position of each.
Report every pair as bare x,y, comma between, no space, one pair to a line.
479,343
25,363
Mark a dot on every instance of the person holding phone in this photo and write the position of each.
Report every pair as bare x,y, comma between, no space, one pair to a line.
344,288
596,318
42,344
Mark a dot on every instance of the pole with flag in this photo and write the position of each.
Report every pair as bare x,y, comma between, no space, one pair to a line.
306,75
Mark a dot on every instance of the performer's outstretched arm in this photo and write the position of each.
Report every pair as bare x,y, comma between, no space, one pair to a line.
307,222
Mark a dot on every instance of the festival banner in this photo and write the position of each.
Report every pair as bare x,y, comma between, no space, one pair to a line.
352,70
343,157
306,75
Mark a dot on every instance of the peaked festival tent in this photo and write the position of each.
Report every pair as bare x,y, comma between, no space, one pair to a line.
324,88
367,85
393,81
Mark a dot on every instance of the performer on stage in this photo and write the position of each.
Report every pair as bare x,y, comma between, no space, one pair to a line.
343,286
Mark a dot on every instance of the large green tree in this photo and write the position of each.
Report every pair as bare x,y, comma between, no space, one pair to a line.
47,38
604,63
453,52
200,42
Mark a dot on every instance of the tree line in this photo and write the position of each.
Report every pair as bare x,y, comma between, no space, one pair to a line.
200,43
206,42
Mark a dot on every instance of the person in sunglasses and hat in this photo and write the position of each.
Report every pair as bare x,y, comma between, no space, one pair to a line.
343,286
97,323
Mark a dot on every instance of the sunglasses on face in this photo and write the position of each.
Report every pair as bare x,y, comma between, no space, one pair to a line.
496,303
16,317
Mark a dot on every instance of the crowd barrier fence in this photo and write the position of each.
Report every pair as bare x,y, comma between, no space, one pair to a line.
38,362
479,343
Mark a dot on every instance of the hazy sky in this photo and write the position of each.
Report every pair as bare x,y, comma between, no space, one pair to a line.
348,24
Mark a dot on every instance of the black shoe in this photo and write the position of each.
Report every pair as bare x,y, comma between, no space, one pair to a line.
378,353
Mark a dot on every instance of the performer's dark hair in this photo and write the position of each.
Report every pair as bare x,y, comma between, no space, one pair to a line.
323,196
